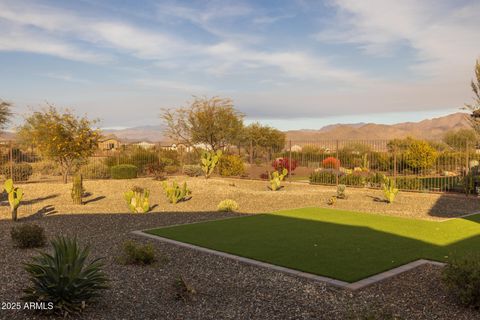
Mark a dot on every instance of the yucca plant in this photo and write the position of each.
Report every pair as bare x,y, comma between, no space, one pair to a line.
65,278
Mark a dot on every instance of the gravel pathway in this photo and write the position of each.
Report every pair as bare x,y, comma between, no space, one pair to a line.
226,289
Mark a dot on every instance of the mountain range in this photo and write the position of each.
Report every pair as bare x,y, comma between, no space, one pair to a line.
432,129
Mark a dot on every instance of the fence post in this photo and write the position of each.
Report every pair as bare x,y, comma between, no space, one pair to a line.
251,152
290,159
10,153
336,171
395,164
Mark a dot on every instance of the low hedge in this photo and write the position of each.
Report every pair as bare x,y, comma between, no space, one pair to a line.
124,171
21,171
95,171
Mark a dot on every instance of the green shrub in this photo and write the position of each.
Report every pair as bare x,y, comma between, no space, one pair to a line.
192,170
227,205
231,165
327,176
461,276
137,200
134,253
46,168
409,183
95,170
28,236
354,179
175,193
171,169
123,171
64,277
21,171
138,157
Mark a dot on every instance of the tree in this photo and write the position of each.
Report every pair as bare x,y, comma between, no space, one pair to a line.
475,107
263,138
62,137
210,121
420,155
460,139
5,113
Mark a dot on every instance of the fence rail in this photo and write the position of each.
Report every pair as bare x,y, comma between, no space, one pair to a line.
427,166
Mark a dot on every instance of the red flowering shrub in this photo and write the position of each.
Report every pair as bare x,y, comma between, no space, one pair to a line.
283,163
331,162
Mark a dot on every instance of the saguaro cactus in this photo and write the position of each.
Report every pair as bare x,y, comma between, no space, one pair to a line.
15,196
209,161
77,189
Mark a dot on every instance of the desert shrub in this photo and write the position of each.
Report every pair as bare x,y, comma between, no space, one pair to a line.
156,170
355,179
183,290
409,183
176,193
461,276
420,155
327,176
46,168
192,170
21,171
227,205
65,278
95,170
331,163
231,165
171,169
284,163
123,171
135,253
28,236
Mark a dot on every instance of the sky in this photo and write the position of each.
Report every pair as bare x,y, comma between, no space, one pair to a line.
291,64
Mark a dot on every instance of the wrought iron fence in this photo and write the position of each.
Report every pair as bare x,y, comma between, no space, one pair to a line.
427,166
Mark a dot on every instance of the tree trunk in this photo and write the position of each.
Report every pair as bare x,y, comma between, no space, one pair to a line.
65,176
14,214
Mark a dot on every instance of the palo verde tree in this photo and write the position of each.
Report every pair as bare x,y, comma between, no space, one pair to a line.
262,138
474,108
60,136
213,122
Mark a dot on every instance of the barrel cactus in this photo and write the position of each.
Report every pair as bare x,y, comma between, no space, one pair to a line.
15,196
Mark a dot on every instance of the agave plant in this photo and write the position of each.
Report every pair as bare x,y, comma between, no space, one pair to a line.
64,277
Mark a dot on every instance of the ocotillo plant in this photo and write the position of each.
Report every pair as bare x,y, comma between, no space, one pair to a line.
209,161
15,196
77,189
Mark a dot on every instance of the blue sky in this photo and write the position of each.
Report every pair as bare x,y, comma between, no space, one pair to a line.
291,64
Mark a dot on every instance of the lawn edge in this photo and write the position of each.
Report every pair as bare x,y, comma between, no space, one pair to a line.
353,286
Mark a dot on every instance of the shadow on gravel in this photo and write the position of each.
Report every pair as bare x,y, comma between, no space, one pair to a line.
455,205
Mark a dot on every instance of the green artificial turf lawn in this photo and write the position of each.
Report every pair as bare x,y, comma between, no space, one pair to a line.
344,245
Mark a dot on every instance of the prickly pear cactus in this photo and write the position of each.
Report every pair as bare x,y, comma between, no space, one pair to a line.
175,193
276,179
209,161
15,196
138,200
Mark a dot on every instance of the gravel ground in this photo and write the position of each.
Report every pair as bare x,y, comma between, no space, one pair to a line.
106,196
226,289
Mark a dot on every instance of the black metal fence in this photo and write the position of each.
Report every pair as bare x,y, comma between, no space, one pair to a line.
416,165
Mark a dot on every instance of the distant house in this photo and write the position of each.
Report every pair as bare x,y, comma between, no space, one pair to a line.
109,143
176,146
145,145
296,148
